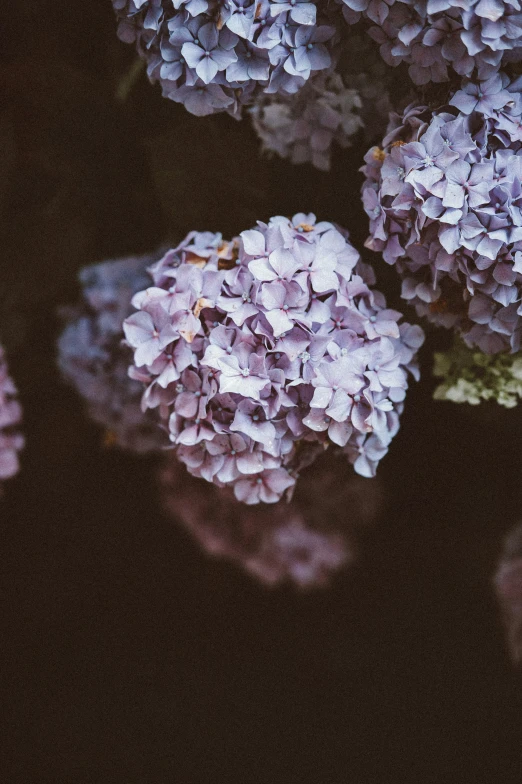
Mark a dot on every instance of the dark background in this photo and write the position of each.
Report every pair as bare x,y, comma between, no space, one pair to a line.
129,656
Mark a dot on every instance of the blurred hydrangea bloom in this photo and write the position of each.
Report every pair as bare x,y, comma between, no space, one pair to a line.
471,37
303,127
214,56
472,377
444,201
508,587
11,441
332,108
263,351
93,358
304,542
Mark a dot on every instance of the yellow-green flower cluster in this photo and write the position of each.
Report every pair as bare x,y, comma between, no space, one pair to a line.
472,377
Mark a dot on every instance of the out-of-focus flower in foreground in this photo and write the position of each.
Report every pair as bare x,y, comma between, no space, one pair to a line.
304,127
508,587
11,440
304,542
332,109
94,360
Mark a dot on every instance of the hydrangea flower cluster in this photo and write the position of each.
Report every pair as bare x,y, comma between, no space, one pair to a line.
92,356
264,350
471,37
303,127
472,377
508,587
11,441
214,56
332,108
444,203
304,542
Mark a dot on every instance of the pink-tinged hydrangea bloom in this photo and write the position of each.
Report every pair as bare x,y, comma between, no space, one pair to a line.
303,543
472,38
444,198
289,350
11,441
508,587
94,360
215,57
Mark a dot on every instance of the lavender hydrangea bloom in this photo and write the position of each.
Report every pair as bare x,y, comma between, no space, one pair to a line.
508,587
303,543
304,127
444,201
93,359
277,347
11,441
331,109
216,57
471,37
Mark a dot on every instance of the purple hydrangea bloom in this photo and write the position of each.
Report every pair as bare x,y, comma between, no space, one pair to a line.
508,587
214,56
277,347
444,200
11,441
471,37
303,127
94,360
303,543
